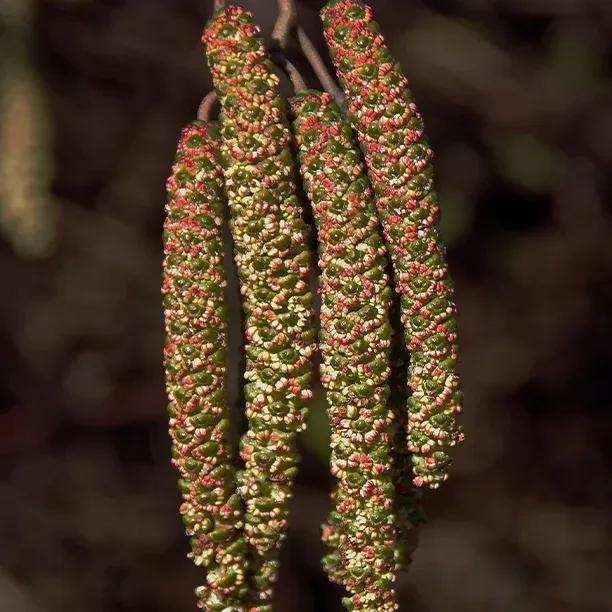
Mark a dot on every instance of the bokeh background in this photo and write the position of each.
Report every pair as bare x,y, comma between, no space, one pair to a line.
517,97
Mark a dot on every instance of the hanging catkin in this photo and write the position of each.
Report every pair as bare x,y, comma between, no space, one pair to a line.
272,262
355,341
398,157
195,363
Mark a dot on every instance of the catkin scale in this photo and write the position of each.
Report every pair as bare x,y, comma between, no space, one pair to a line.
398,158
272,260
354,340
195,360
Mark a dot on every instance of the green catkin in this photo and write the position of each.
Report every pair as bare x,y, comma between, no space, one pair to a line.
272,261
355,341
195,362
398,158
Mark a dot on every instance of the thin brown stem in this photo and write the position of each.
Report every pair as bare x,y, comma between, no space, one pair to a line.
292,72
286,22
286,25
318,65
207,105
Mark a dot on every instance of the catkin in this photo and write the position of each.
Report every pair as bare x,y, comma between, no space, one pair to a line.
195,362
398,157
355,341
28,211
272,261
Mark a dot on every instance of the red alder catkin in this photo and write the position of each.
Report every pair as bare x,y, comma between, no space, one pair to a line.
195,361
355,342
272,260
398,158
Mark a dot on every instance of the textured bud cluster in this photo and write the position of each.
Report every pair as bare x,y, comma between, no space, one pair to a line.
355,341
195,356
371,207
273,264
398,158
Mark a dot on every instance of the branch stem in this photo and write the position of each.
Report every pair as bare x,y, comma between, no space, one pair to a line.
292,72
286,25
207,105
318,65
286,22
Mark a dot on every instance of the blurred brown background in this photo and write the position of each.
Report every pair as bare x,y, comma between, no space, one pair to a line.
517,97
